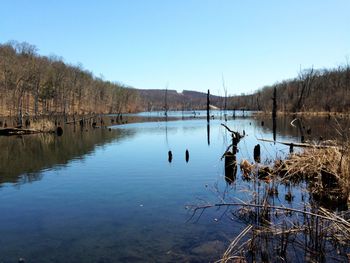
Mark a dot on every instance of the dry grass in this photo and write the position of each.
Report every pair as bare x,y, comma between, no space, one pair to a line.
327,170
42,125
307,230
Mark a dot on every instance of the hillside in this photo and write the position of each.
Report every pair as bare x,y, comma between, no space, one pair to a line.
154,99
38,85
312,90
31,84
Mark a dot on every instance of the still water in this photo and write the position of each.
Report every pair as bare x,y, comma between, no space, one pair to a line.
112,196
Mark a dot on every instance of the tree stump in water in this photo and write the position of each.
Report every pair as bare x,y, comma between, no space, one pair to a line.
230,156
230,167
257,157
291,148
170,156
27,123
59,131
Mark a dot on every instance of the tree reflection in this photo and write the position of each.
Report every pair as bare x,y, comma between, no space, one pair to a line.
23,157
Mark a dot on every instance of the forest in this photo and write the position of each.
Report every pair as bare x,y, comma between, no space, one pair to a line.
31,84
325,90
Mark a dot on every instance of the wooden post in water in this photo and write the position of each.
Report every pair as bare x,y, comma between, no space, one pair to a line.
208,103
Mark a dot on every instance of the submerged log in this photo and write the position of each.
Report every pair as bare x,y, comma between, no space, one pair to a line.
20,131
16,131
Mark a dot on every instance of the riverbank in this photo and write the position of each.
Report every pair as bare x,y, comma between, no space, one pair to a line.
306,114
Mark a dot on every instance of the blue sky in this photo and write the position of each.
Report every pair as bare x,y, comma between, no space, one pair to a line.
185,43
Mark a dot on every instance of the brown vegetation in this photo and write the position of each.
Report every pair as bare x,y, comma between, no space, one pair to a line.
313,90
32,84
313,229
327,170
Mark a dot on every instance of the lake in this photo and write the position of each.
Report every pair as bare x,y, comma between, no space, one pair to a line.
113,196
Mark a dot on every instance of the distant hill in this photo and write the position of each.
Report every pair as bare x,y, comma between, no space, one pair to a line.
154,99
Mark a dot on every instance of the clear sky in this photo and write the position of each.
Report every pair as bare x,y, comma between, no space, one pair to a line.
186,43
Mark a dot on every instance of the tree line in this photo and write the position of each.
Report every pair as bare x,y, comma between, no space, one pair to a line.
312,90
31,84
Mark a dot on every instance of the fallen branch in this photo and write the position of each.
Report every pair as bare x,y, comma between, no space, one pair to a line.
227,128
296,144
235,135
292,122
336,219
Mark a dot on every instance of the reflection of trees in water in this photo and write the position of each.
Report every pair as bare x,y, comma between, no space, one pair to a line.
23,158
313,128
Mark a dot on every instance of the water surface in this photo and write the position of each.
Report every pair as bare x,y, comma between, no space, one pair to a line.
113,196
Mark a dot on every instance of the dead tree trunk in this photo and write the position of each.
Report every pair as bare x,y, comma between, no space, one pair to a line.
230,156
166,104
274,112
208,103
208,133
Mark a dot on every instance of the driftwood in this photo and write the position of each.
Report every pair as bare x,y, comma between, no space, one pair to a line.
19,131
295,144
